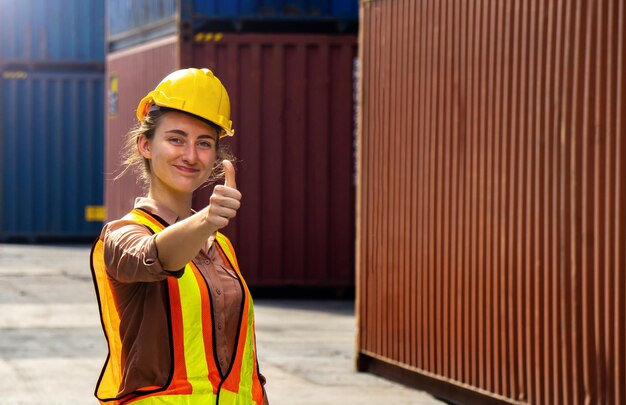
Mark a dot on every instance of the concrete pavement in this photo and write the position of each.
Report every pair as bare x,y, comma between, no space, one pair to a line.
52,347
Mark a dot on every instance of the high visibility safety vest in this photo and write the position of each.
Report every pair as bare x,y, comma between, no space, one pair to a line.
195,377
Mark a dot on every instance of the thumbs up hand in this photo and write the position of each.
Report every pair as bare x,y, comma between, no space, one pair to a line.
225,200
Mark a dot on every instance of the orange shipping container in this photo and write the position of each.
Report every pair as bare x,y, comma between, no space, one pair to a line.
491,230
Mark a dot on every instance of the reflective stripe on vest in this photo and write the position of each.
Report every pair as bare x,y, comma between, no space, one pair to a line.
195,377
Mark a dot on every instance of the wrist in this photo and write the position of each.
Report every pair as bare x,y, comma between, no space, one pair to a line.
207,225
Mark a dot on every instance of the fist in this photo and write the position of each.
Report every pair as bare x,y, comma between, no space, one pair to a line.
225,200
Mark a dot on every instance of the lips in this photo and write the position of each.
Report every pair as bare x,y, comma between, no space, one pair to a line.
186,169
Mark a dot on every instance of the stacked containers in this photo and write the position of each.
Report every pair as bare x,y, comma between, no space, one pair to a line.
51,136
293,112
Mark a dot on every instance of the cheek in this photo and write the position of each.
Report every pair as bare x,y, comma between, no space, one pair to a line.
164,153
210,157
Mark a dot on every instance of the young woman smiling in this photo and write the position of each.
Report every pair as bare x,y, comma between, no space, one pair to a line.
175,309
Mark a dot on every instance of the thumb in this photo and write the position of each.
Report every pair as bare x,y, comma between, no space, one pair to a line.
229,173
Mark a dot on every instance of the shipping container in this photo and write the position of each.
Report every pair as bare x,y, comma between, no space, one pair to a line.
293,113
292,98
125,16
273,16
491,230
131,74
51,31
51,135
51,155
277,9
133,23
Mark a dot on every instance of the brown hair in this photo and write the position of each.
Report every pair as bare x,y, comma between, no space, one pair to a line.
132,159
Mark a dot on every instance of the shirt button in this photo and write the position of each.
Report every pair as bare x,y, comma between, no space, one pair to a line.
206,262
219,326
218,291
221,362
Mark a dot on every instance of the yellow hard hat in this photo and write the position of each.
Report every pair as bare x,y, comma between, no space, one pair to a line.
195,91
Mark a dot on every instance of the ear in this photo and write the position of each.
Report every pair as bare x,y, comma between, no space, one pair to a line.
143,146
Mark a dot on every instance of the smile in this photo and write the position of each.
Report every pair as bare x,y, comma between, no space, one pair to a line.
186,169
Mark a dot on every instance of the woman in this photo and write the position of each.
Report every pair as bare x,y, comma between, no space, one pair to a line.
175,309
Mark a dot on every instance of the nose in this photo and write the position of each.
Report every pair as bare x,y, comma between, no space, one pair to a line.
190,154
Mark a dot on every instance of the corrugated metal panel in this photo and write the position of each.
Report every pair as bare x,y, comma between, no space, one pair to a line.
292,98
131,74
124,16
51,154
52,30
492,230
278,9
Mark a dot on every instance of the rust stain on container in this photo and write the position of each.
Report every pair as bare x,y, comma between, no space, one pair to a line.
491,242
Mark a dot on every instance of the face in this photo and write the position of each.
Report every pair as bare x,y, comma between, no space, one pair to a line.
181,153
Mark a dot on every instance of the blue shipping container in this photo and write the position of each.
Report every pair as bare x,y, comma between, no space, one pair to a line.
125,16
52,30
51,150
152,18
277,9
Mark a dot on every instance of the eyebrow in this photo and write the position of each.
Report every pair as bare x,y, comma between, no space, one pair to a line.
183,133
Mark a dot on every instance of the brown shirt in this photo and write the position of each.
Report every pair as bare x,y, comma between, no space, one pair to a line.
140,289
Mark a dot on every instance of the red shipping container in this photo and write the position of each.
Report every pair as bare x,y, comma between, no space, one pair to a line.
131,74
292,99
293,112
491,241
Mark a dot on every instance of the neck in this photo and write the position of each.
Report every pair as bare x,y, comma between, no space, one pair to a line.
178,202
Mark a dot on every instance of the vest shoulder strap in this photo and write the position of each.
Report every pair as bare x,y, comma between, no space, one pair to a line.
228,249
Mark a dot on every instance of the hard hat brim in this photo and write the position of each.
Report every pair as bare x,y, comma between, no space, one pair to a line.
148,101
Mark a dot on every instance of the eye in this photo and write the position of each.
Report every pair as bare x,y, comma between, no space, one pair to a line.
205,145
175,140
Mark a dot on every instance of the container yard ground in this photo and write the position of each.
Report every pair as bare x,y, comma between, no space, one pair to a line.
52,347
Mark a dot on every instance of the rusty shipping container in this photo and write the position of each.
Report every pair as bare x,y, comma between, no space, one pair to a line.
491,222
292,99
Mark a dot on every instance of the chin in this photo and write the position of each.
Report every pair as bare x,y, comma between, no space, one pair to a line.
189,190
186,188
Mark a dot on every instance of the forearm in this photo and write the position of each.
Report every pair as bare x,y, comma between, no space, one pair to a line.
179,243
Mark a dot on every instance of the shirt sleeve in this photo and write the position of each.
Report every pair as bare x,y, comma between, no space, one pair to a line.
131,255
